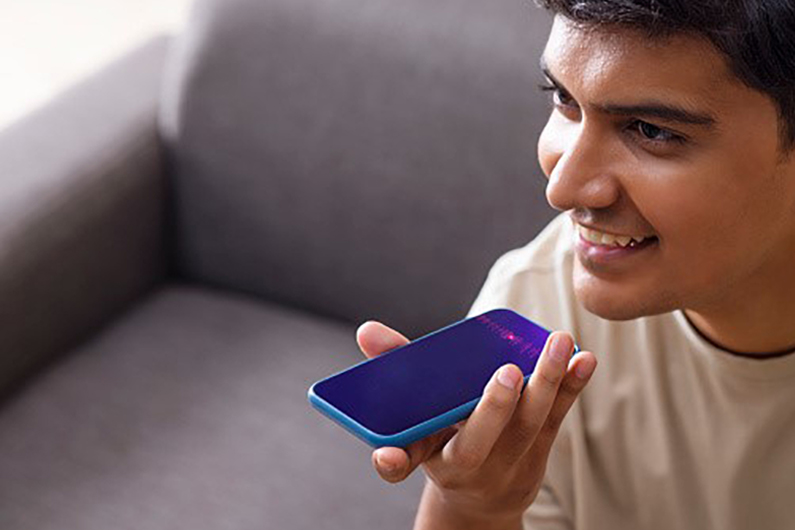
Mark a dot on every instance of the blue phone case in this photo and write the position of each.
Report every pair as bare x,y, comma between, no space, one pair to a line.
416,432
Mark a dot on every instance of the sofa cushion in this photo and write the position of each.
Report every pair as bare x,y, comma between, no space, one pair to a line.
356,157
191,413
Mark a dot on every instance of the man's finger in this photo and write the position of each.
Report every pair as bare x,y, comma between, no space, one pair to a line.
579,373
374,338
391,463
475,439
538,398
395,464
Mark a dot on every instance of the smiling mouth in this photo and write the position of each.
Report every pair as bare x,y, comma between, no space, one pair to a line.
604,239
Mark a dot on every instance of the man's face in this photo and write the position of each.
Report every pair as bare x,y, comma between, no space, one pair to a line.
706,187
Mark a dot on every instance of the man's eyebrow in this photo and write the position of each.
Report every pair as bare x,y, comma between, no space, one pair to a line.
671,113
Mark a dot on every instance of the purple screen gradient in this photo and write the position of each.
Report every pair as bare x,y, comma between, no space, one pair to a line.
435,373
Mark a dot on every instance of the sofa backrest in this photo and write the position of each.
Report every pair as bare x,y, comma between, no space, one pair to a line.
356,158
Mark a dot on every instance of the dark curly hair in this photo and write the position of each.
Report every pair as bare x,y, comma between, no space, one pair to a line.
756,36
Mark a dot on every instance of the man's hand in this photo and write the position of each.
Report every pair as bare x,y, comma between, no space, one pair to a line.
487,469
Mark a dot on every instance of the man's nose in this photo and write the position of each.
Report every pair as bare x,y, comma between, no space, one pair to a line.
585,174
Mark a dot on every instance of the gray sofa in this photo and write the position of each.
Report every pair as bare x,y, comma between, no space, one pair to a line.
190,238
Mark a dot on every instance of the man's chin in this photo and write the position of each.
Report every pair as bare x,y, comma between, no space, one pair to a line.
614,301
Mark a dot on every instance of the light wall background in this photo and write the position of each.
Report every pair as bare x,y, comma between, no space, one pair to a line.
48,45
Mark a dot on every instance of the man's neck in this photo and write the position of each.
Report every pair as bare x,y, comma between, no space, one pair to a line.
756,316
756,349
760,326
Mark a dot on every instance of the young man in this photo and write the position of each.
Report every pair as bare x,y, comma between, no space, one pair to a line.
668,150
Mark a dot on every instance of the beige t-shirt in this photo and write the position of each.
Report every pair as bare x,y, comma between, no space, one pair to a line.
671,433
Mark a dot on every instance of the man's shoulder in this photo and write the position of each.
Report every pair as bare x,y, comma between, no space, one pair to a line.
541,255
535,279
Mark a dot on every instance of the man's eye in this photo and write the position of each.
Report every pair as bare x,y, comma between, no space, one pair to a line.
563,99
652,133
558,97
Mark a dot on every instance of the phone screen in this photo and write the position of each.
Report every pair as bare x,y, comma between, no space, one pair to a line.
435,373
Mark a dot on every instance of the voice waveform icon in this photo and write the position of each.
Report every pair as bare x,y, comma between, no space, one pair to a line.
515,338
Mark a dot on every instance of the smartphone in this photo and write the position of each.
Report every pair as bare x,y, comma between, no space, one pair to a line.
430,383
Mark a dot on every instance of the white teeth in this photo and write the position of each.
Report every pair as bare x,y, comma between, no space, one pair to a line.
591,235
602,238
608,239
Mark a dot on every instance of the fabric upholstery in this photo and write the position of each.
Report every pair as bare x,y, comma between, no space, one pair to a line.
190,413
81,211
356,157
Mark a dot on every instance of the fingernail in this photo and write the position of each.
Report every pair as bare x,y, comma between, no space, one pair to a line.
582,370
508,378
386,466
560,347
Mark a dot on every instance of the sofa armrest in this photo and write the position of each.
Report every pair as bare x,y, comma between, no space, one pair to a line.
82,195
